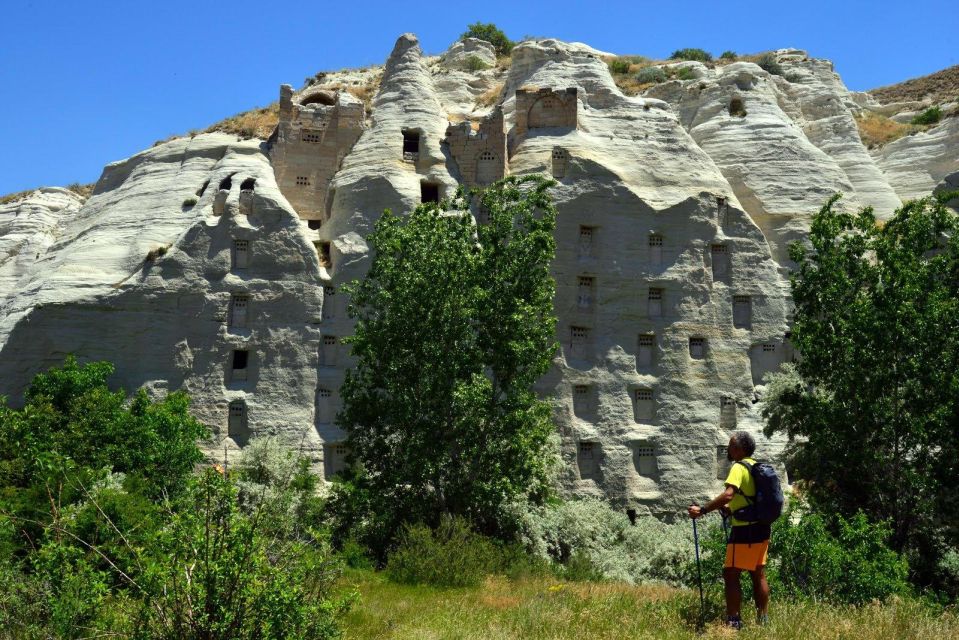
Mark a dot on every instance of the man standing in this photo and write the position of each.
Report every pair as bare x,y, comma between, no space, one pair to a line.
749,541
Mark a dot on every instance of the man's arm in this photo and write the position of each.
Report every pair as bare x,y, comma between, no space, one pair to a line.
718,502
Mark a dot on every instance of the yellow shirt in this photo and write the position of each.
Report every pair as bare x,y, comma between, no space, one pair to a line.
740,478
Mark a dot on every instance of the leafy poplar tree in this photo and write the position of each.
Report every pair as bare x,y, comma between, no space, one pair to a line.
454,325
874,400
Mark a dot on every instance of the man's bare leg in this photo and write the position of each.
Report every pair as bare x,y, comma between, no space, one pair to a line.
734,593
760,591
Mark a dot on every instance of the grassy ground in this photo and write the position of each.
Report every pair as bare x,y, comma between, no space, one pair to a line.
542,607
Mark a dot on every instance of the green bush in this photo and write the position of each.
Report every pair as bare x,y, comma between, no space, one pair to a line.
272,476
768,62
475,63
648,75
845,561
649,551
481,438
618,65
947,575
699,55
839,561
106,531
685,73
217,571
189,202
452,555
71,418
355,555
728,55
491,34
932,115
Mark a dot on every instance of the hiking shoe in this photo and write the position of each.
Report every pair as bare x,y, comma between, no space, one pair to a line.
734,622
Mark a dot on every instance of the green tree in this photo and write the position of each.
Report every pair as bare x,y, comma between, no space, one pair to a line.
105,529
491,34
454,325
872,406
70,414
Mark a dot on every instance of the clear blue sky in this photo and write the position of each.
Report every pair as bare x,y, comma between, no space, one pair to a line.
87,83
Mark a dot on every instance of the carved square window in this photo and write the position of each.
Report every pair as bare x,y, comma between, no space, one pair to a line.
644,405
587,237
241,254
588,460
654,302
697,348
644,353
742,312
240,363
239,304
584,296
656,249
645,460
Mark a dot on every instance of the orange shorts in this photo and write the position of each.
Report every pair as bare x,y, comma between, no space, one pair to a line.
745,556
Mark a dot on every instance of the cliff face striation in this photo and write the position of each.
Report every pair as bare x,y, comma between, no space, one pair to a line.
214,264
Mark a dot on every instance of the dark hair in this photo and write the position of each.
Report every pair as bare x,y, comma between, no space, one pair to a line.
744,441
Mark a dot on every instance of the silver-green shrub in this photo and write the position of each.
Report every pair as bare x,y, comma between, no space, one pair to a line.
649,551
650,74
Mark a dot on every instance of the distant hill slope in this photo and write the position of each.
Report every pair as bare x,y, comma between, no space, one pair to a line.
939,87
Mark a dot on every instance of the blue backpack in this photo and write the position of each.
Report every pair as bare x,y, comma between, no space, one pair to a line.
767,505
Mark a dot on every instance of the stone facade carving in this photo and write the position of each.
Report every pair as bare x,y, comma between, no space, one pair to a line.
545,109
317,129
480,155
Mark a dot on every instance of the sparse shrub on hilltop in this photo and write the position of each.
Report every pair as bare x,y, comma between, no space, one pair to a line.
728,55
491,34
650,75
768,62
475,63
699,55
736,107
932,115
619,65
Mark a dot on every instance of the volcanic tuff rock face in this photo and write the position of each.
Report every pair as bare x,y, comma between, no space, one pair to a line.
190,268
172,292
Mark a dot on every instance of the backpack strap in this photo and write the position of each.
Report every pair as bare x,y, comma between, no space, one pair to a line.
749,469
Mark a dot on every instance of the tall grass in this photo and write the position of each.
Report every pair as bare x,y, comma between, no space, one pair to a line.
540,607
876,130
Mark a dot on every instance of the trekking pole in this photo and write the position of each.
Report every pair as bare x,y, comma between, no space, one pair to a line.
699,575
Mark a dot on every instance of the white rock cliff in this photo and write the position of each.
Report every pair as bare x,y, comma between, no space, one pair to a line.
190,268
